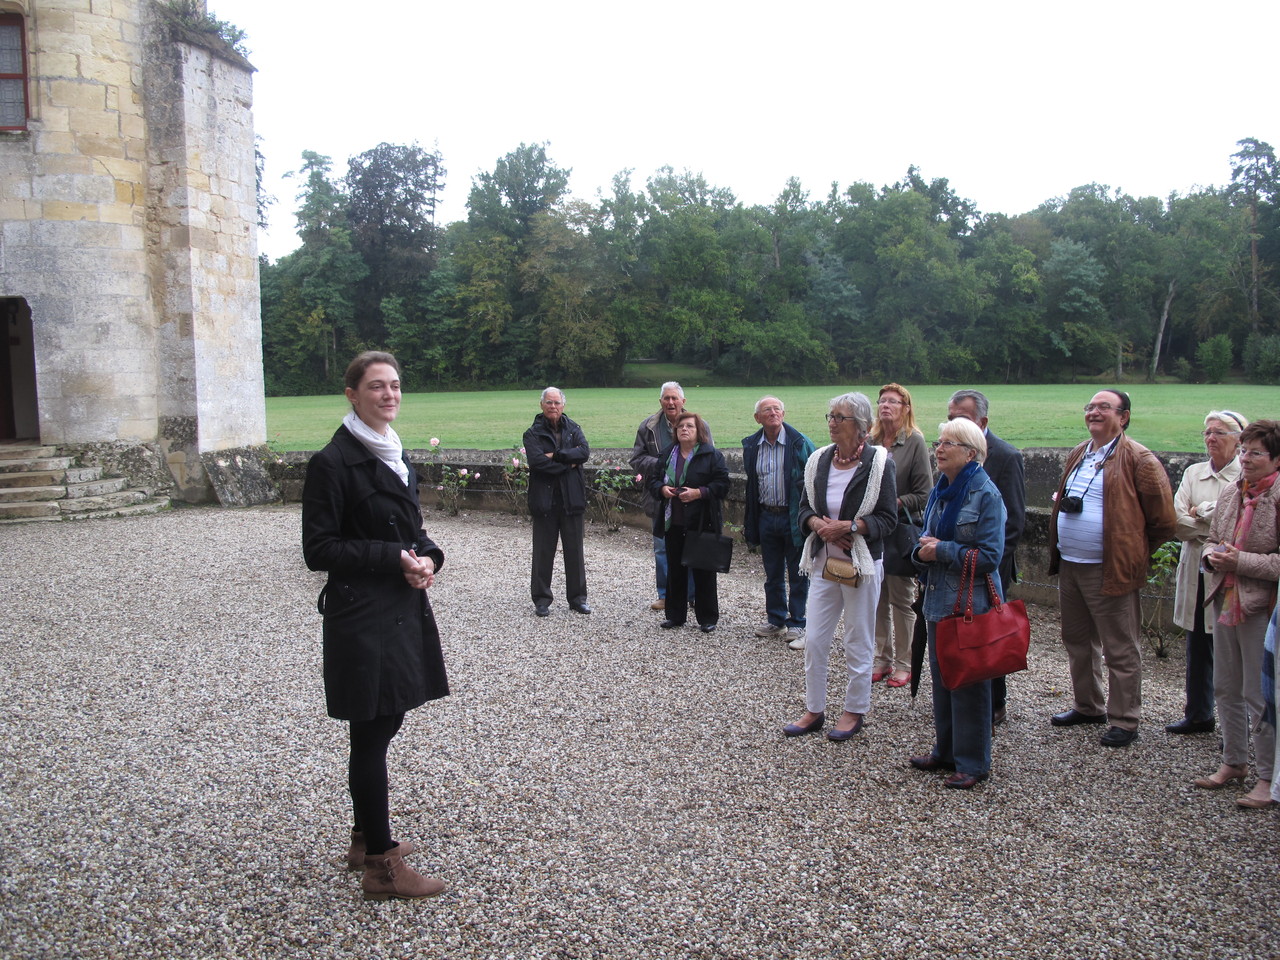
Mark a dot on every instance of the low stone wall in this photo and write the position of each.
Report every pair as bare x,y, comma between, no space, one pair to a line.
487,491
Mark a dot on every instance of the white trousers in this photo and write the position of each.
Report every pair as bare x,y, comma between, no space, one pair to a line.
828,600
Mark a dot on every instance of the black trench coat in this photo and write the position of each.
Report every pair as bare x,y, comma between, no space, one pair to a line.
382,651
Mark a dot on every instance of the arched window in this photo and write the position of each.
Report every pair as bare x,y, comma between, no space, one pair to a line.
13,72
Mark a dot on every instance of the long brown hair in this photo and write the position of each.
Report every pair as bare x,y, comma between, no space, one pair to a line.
908,425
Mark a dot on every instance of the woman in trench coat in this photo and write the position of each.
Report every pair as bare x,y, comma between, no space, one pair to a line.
362,523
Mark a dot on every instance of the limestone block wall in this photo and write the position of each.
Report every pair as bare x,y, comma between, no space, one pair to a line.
202,209
73,222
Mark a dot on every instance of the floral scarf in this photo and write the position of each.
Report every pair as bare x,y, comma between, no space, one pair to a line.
1232,612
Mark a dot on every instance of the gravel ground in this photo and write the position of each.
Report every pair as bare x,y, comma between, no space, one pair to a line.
594,787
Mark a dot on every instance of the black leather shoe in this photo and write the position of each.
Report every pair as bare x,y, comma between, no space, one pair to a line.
1118,737
582,607
1190,726
1069,718
707,627
670,624
542,610
964,781
997,716
929,763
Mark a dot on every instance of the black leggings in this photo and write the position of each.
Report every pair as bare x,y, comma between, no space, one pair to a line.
367,778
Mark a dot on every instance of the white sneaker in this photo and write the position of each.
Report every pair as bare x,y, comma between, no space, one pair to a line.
771,630
797,642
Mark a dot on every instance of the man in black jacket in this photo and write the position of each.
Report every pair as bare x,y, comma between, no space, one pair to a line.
555,450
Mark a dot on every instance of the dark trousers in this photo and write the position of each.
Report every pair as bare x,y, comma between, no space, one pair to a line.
1200,701
961,720
367,779
569,531
706,606
781,558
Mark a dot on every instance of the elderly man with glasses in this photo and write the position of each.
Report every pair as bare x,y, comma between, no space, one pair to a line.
1112,509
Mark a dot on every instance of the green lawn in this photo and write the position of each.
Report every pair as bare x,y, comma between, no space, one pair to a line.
1166,417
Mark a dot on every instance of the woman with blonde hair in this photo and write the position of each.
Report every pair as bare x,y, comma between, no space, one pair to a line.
895,429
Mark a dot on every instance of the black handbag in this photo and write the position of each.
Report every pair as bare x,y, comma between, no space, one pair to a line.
899,545
707,550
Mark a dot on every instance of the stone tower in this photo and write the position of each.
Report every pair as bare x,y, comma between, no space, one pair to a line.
128,254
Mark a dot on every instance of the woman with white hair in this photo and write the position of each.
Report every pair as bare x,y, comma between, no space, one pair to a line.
849,506
965,513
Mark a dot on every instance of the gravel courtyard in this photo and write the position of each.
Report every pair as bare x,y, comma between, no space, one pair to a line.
594,787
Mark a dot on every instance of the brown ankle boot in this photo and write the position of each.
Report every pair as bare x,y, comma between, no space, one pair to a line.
356,852
387,875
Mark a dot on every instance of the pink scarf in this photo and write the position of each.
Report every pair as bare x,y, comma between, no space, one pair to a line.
1232,611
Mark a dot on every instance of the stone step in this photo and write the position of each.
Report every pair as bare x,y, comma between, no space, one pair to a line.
107,501
19,450
18,512
39,512
31,494
96,488
37,478
33,464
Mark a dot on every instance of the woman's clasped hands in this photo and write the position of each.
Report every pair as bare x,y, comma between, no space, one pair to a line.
419,572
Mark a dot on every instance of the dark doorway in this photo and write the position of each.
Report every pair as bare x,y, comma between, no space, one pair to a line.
19,415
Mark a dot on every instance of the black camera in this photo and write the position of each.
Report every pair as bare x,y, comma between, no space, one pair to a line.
1071,504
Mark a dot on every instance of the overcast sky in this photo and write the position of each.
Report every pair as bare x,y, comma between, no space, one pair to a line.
1012,102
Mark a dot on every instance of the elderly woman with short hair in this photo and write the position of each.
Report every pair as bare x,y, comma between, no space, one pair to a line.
1242,561
965,513
1193,506
848,507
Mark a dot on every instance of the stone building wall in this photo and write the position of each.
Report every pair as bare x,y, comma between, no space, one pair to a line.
127,227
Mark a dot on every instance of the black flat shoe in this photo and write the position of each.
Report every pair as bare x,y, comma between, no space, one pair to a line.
799,729
707,627
1073,717
1190,726
542,610
670,624
582,607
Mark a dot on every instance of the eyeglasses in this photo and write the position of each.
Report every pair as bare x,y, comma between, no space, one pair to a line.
1100,407
837,418
1252,454
946,444
1221,433
893,402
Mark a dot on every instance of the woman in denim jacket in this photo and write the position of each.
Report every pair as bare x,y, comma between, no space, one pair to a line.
965,512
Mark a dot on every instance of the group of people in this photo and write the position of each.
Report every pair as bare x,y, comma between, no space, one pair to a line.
857,530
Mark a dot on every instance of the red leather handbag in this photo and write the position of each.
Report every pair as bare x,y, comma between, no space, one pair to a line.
971,648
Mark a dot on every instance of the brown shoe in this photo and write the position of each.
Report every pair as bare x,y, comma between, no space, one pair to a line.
356,852
387,876
659,604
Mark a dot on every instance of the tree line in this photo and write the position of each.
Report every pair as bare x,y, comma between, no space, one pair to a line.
907,281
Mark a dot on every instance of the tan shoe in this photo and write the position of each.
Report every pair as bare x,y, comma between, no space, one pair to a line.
356,852
659,604
387,876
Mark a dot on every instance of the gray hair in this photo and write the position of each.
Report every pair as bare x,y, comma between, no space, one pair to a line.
542,399
671,385
963,430
770,396
1228,417
980,404
856,405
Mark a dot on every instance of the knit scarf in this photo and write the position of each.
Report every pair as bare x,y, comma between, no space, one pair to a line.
859,551
387,449
951,494
1232,610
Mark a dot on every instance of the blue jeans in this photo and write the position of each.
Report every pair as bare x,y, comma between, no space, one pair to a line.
660,570
961,719
781,559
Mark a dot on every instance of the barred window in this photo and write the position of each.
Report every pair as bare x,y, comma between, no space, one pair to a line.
13,73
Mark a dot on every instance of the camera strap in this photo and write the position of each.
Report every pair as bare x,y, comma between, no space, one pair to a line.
1097,469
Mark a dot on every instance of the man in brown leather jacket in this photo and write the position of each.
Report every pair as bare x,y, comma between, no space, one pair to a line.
1113,508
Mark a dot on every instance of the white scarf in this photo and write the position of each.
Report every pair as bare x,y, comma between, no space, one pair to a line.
859,551
387,449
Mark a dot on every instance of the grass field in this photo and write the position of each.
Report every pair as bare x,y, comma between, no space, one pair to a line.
1166,417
